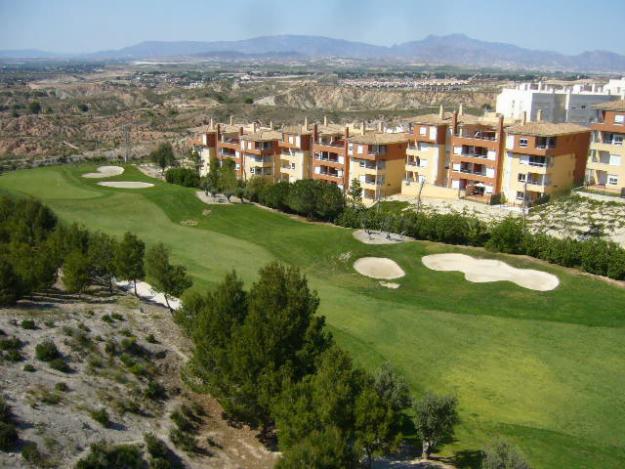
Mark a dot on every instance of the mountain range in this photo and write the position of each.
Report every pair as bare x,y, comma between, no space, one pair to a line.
454,49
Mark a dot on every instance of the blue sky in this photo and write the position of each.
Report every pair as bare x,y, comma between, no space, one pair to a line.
568,26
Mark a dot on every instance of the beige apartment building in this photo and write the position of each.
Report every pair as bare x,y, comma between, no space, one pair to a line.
377,162
295,153
542,159
606,159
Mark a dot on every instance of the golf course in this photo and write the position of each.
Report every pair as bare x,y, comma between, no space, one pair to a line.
543,369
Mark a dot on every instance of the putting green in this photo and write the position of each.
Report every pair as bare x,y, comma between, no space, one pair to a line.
544,369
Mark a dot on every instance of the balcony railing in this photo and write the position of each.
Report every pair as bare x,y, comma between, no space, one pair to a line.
474,155
470,171
477,136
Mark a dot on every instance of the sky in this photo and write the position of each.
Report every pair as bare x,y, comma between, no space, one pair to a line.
76,26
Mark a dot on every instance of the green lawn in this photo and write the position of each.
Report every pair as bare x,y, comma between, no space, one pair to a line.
544,369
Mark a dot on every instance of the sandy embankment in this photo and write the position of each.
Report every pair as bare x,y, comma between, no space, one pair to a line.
489,270
146,292
379,237
105,172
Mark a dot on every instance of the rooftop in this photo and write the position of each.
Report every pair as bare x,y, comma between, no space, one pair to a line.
546,129
331,129
432,119
611,106
379,138
295,130
262,136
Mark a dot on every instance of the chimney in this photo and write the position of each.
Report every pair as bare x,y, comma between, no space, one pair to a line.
539,115
346,133
362,127
454,123
212,124
231,120
460,110
381,126
271,125
441,111
315,132
325,120
524,117
254,127
305,122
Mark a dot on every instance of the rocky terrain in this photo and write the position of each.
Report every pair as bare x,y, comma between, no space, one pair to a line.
116,376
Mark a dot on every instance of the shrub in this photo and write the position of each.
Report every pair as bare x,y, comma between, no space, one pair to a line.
49,323
183,423
29,324
155,391
117,317
507,236
105,456
30,453
61,387
183,177
28,367
8,436
101,416
5,411
47,351
59,364
12,343
183,440
151,339
108,319
502,455
13,356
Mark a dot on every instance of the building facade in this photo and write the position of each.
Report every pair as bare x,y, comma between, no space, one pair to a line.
606,159
542,159
558,102
329,154
295,156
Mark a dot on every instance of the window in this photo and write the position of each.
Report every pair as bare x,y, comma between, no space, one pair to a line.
520,195
522,177
615,160
292,165
617,139
612,180
423,130
522,142
619,119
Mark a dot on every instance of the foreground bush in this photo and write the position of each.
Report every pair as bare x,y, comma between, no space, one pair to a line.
105,456
183,177
47,351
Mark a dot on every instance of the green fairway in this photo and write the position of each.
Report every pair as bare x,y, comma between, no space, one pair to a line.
544,369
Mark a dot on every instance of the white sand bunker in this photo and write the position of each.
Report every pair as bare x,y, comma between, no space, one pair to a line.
379,237
105,172
126,184
381,268
488,270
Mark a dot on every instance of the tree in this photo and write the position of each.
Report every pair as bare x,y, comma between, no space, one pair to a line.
101,254
355,191
171,280
195,158
508,236
76,272
323,449
163,156
392,388
330,201
34,107
275,195
303,196
213,179
228,179
254,187
502,455
377,424
129,259
434,419
10,285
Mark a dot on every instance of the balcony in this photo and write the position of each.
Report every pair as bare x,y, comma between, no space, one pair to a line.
330,158
478,135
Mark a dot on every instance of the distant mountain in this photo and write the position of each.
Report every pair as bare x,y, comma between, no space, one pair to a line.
27,54
453,49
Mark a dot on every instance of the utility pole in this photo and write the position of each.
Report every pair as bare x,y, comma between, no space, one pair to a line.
126,134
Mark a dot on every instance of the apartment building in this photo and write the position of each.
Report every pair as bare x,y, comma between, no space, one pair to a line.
427,154
543,158
558,101
295,153
206,146
259,154
376,161
476,157
606,159
329,154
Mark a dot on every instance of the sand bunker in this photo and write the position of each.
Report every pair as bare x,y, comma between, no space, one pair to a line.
126,184
391,285
379,237
105,172
488,270
146,292
381,268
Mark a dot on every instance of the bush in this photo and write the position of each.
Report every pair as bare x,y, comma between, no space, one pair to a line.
30,453
507,236
61,387
28,367
502,455
104,456
59,364
275,195
183,177
8,436
183,440
151,339
47,351
29,324
183,423
12,343
155,391
101,416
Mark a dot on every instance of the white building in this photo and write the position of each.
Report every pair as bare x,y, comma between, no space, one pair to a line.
558,102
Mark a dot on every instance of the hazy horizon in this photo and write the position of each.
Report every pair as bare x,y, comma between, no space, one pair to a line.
75,27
